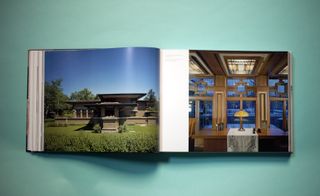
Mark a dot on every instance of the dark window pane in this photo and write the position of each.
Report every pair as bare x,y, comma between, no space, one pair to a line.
276,115
250,107
287,111
250,93
205,113
232,107
192,112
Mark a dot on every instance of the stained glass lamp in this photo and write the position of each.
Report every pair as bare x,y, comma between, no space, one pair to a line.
240,114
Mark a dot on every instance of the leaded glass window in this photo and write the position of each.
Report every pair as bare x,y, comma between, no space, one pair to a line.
244,87
201,86
278,88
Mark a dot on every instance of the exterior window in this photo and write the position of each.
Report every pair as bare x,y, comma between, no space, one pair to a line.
232,107
241,88
249,93
232,94
278,88
192,112
278,117
244,87
201,86
205,114
250,107
278,92
234,81
287,109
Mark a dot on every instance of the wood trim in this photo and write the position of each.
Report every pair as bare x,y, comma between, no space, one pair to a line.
241,98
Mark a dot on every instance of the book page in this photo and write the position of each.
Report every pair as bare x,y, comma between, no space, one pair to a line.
94,100
174,74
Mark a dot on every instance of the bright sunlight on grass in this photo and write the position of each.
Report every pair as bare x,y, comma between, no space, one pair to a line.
75,139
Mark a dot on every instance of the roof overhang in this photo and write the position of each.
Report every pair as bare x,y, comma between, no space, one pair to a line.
110,104
121,95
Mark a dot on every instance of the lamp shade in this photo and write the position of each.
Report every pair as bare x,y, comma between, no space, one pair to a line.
241,113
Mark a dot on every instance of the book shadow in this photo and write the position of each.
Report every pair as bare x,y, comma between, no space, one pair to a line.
146,163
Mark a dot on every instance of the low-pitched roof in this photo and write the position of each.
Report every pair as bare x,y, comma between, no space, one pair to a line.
83,101
122,95
110,104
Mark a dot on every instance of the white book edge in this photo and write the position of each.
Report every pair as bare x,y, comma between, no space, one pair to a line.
35,105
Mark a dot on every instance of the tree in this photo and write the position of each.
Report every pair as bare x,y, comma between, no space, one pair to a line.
84,94
151,96
152,100
54,99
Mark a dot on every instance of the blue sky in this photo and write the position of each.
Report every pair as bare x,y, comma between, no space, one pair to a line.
119,70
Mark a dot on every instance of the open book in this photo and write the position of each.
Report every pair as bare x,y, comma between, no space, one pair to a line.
140,99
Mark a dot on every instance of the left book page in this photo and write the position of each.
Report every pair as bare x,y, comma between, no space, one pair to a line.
93,100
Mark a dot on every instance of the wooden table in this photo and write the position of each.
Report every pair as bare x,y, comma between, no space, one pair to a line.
216,141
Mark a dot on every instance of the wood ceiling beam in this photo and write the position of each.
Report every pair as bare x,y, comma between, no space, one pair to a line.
272,63
210,58
283,62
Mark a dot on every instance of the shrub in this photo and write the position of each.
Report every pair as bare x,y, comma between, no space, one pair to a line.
122,128
66,139
97,128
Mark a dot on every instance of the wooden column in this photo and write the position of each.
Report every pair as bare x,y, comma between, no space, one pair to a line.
284,116
262,103
80,113
87,113
197,114
219,101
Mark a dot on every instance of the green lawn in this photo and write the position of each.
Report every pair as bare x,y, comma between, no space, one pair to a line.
71,139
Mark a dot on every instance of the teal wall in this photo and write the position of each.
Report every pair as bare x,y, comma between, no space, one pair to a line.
220,25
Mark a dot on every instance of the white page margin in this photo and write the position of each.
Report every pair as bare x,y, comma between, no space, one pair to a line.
174,97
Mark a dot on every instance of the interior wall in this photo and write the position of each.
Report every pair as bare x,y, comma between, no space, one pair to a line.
216,25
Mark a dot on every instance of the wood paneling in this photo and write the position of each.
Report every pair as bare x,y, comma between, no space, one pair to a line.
276,63
211,59
273,65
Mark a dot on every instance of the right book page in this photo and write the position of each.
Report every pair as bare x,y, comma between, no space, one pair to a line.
226,101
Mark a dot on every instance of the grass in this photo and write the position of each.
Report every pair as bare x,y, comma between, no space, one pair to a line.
75,139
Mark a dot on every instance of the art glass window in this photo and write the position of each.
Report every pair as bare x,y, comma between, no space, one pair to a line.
201,86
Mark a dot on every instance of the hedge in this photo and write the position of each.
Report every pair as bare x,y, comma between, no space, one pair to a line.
70,139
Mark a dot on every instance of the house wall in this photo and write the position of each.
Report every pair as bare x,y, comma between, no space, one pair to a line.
72,121
122,120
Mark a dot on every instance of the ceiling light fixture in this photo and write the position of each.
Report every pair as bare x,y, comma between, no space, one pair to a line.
241,66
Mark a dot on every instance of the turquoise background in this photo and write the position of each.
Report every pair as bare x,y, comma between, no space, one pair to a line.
220,25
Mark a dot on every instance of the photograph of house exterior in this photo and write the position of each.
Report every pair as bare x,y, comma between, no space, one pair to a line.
102,100
239,101
111,111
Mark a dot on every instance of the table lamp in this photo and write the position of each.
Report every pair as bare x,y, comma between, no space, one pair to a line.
241,114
